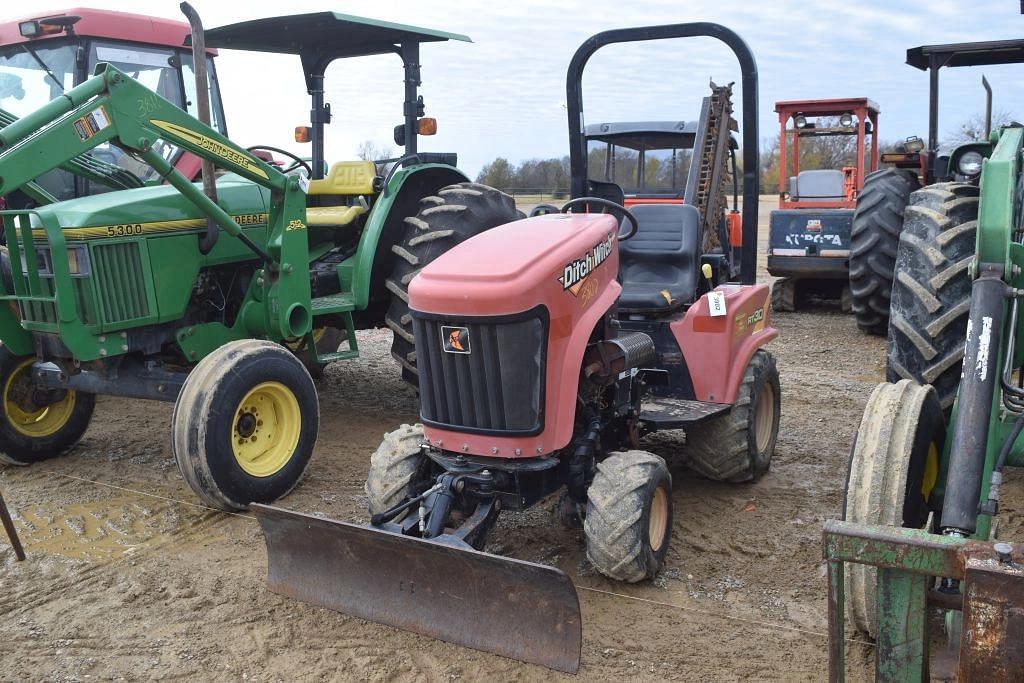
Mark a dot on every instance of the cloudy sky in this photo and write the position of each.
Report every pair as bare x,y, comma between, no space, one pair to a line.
504,93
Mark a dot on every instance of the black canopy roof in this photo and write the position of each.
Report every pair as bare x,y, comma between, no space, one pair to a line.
323,33
968,54
644,134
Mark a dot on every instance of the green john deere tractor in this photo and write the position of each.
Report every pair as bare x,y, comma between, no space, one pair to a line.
219,297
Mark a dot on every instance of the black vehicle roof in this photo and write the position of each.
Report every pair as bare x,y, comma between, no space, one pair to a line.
644,134
339,35
968,54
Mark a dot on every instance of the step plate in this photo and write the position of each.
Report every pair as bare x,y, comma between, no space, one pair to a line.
676,413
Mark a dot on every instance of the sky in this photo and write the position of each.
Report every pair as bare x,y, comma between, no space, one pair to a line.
504,93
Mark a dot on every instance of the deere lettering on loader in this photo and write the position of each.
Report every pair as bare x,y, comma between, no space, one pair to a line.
922,498
165,292
809,234
884,212
42,56
539,374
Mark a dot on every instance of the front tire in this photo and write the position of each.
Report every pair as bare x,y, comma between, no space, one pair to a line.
32,431
738,446
932,295
396,467
894,467
457,213
874,236
629,516
245,423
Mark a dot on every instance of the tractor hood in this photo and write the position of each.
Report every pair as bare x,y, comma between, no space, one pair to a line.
154,209
516,266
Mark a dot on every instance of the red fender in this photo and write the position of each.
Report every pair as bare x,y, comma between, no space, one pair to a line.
717,349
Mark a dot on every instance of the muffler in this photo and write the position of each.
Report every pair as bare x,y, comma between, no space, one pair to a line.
521,610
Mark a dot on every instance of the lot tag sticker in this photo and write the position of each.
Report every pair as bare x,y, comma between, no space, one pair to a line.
716,304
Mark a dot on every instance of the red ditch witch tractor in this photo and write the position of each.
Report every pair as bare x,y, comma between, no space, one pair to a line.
536,380
809,234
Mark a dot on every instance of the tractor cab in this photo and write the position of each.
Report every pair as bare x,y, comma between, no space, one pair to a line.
44,55
824,156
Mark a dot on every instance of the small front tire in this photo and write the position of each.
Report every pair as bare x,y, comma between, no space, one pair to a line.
29,431
245,424
629,516
396,467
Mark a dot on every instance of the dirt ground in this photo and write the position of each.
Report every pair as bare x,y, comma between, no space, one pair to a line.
129,577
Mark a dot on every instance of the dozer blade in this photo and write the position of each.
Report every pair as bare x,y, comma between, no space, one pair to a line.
522,610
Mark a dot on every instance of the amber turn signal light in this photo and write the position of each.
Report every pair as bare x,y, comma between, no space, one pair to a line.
426,126
302,134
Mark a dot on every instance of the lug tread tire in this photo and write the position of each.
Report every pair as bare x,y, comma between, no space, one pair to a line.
21,450
874,236
931,296
616,524
201,403
724,448
455,214
784,295
393,467
876,486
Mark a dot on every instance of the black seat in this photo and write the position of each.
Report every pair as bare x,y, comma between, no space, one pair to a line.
659,265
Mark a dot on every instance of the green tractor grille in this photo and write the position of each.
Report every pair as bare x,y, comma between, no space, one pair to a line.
120,282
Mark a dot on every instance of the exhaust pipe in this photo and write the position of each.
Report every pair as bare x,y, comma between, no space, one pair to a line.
988,106
207,241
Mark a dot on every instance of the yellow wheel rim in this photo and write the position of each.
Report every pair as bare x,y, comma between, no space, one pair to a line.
34,421
931,471
657,523
266,429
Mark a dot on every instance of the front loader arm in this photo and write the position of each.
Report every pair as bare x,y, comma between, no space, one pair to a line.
112,107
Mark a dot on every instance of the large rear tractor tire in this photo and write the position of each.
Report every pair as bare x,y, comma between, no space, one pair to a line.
931,296
457,213
894,466
874,236
629,516
396,467
245,423
738,446
37,424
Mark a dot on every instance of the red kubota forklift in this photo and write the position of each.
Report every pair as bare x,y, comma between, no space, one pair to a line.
809,234
547,348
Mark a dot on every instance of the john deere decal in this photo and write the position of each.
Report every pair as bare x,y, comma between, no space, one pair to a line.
577,271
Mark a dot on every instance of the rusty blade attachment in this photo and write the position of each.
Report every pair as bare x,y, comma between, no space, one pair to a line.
517,609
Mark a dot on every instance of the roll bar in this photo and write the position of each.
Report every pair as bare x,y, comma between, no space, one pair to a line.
748,70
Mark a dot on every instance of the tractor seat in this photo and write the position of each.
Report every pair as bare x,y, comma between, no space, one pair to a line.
658,265
337,216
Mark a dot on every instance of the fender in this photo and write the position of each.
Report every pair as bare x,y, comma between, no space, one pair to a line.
385,224
718,349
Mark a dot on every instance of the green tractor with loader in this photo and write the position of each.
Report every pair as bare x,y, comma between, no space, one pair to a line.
221,296
919,527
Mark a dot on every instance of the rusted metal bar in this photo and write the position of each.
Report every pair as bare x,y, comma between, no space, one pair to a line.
12,533
992,638
901,633
836,625
909,550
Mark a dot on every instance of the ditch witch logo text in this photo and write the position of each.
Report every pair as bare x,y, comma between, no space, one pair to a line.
577,271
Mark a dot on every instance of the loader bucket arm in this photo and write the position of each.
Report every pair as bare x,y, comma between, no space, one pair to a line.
516,609
113,107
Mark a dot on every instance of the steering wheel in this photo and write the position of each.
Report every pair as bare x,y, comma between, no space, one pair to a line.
299,162
607,206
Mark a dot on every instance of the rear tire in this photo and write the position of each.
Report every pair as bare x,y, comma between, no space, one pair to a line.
29,432
894,464
738,446
459,212
784,295
395,468
931,297
245,423
874,236
629,516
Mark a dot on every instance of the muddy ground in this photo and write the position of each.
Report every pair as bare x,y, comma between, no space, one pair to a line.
128,577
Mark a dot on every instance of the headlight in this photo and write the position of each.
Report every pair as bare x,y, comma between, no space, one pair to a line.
846,120
800,121
970,163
